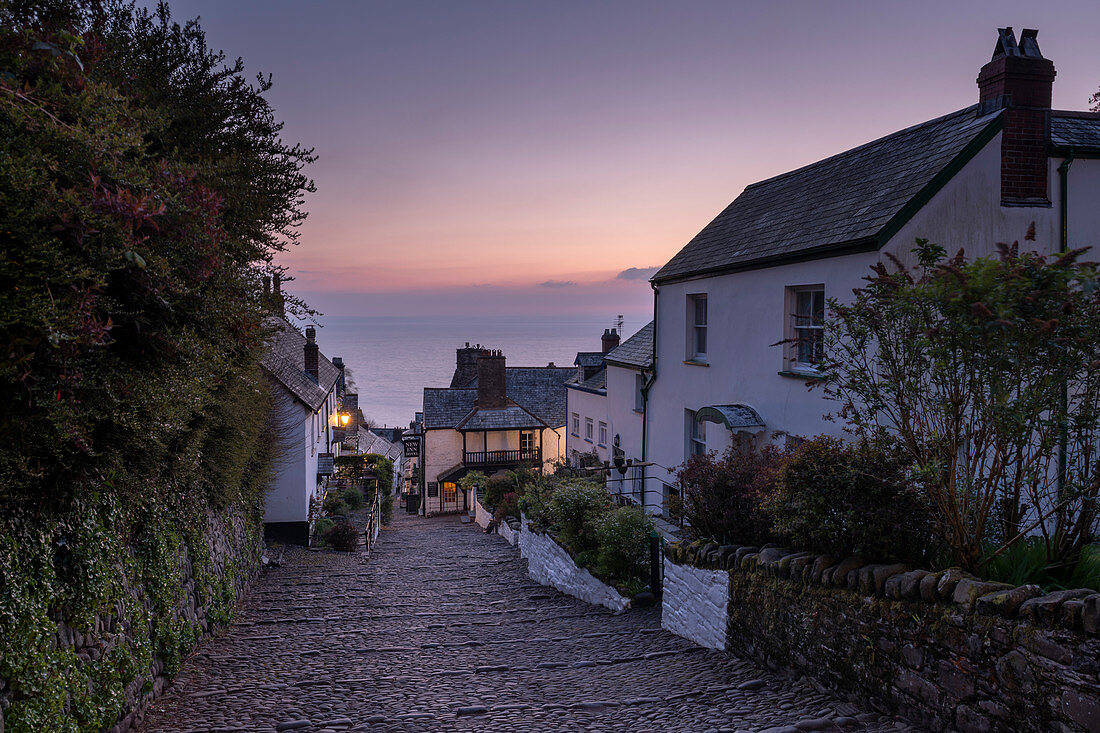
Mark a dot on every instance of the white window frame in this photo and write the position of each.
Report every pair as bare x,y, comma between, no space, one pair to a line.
588,429
602,434
697,327
805,327
695,433
639,398
576,425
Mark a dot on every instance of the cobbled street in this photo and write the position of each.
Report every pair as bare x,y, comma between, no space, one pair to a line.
441,629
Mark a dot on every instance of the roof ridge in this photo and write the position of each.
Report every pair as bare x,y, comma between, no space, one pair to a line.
876,141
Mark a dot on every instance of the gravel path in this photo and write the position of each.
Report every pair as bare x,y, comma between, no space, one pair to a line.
441,630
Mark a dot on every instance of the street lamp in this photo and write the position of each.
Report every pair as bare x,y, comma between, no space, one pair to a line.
343,418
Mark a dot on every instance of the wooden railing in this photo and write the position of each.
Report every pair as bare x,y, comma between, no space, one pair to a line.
502,457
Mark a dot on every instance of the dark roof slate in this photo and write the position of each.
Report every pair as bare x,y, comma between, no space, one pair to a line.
636,352
847,198
512,417
596,383
445,407
589,358
1075,130
285,361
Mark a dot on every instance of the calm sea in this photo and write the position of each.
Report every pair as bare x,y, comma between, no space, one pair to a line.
393,359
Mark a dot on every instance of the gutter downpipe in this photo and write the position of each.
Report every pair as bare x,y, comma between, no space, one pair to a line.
1063,437
645,397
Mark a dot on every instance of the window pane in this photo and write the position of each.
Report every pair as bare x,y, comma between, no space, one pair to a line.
701,340
700,310
819,308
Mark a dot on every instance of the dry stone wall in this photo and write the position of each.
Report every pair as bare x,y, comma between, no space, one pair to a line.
946,650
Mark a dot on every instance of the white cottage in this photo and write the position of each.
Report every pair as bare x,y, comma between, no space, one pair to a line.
493,418
759,273
587,403
629,373
304,389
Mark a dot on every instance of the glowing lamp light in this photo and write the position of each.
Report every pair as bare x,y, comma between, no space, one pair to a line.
343,418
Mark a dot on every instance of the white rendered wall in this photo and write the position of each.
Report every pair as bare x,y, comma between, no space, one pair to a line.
288,498
549,564
695,604
747,310
594,407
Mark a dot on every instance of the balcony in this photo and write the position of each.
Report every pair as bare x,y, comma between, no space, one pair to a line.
499,458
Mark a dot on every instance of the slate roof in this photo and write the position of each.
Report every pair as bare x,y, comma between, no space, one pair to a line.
841,201
636,352
596,383
589,358
285,361
538,390
444,407
371,442
1079,130
512,417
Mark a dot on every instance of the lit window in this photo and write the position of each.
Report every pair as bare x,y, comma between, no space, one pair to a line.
603,433
807,327
696,434
588,429
576,424
697,327
449,495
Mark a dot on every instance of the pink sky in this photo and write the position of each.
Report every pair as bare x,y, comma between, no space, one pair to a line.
486,157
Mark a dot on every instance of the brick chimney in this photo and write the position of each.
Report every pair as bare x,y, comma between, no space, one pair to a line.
491,389
466,364
277,303
311,353
1020,81
350,404
340,377
610,339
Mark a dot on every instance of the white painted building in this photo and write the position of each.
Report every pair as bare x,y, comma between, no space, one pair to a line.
1008,168
492,419
629,371
588,431
304,392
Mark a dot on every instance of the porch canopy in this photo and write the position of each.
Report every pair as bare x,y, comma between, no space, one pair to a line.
512,417
735,417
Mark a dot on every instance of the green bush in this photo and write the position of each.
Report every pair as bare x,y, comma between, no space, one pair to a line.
323,525
534,500
342,536
723,496
574,508
845,498
508,507
622,536
1028,561
353,497
495,488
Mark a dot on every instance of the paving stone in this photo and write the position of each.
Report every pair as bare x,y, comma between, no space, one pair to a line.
441,629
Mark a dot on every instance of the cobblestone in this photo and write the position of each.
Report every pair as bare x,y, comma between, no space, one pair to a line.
440,629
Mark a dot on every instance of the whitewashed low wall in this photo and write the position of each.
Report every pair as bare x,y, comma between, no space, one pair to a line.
549,564
481,514
508,533
695,604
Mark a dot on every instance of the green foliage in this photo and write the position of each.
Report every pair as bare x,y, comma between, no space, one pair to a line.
982,370
574,508
383,468
334,504
622,536
342,536
723,496
1027,561
321,528
472,480
353,497
508,507
843,498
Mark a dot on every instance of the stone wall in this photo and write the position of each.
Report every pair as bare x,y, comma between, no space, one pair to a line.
233,552
945,650
549,564
481,514
694,604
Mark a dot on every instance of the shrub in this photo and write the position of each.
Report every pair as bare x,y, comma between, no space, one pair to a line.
723,496
495,488
353,497
1027,561
845,498
342,536
508,507
323,525
387,508
623,538
534,500
574,507
335,505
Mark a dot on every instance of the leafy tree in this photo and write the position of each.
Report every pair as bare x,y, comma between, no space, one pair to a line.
981,370
143,190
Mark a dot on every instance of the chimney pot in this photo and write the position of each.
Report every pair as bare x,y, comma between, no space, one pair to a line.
1019,81
609,340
